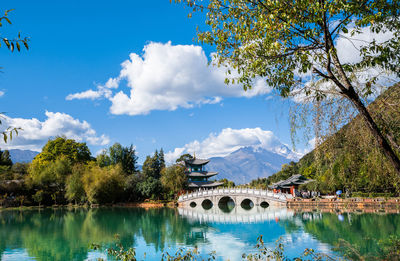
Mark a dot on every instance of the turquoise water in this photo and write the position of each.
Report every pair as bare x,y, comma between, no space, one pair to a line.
61,234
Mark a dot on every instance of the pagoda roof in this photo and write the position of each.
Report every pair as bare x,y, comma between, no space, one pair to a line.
202,174
204,184
293,180
197,161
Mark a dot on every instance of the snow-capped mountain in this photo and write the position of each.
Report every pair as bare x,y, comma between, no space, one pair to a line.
248,163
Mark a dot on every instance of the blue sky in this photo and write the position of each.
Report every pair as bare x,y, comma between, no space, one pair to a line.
76,46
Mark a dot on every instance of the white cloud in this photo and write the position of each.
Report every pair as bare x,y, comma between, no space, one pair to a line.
348,46
230,140
35,133
349,53
167,77
1,93
89,94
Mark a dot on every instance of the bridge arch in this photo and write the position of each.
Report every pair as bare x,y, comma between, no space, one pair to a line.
264,204
226,203
193,204
207,204
247,204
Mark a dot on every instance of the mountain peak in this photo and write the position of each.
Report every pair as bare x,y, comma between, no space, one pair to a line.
23,156
251,162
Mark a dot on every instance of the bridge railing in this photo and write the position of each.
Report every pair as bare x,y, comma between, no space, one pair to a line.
234,191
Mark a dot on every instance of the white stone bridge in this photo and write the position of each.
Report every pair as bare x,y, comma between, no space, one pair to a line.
240,196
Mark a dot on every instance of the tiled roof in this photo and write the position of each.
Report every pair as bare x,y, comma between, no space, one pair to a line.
202,174
293,180
202,184
197,161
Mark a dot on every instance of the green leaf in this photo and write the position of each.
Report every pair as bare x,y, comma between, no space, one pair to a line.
8,20
5,40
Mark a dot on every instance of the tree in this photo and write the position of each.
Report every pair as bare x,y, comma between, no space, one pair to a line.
103,159
103,185
173,179
51,174
117,154
184,157
75,152
152,166
38,197
129,160
227,183
161,159
293,46
74,190
5,158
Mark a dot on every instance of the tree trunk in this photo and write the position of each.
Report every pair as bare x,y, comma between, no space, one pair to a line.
347,89
383,143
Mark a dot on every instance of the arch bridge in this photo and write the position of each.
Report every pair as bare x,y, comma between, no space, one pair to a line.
239,196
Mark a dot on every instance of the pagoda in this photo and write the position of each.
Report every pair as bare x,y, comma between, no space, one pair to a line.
198,175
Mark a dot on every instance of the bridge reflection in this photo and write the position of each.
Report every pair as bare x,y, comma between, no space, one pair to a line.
237,214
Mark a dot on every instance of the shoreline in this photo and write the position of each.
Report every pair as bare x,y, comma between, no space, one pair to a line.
360,205
144,204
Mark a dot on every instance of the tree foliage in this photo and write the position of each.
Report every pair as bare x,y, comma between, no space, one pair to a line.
53,174
75,152
103,185
5,158
292,45
16,42
173,179
74,189
65,172
11,44
227,183
152,166
184,157
343,162
117,154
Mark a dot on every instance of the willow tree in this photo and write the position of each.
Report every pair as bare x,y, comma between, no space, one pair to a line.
12,44
293,46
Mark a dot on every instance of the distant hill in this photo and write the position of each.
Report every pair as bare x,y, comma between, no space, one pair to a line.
350,159
245,164
23,156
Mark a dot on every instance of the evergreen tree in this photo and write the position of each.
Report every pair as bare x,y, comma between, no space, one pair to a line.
161,159
129,160
117,154
5,158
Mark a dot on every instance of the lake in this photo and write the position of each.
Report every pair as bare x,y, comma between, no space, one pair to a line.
61,234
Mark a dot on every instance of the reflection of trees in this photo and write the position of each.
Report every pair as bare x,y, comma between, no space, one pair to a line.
361,232
66,235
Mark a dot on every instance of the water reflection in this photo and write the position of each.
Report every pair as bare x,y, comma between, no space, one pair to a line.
66,234
236,214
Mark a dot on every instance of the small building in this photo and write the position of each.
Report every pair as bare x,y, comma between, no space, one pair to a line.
198,175
290,185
